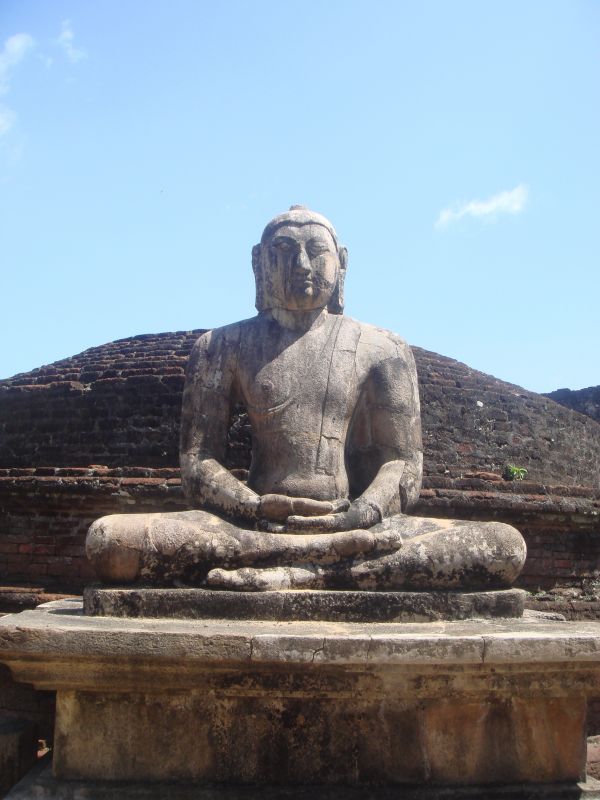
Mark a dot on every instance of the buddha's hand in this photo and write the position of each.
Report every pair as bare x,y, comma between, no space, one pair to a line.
278,507
360,514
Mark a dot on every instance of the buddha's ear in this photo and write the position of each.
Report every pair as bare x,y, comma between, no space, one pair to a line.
336,301
258,277
256,258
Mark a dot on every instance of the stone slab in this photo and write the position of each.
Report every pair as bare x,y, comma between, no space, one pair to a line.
330,606
42,785
325,731
60,632
326,703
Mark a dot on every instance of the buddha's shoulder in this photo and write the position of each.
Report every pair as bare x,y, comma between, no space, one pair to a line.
379,342
226,336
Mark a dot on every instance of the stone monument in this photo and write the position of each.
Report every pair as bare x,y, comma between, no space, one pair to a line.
336,453
299,627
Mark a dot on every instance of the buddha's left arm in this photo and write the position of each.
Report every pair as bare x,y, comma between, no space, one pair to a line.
393,447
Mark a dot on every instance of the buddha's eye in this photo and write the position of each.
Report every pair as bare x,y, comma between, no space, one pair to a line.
316,249
282,245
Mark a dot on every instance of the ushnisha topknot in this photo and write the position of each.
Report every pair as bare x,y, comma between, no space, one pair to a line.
298,215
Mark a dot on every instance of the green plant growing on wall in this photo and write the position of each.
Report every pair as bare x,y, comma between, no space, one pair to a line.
513,473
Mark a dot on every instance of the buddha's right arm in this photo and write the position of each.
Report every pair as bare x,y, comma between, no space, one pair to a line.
207,483
207,399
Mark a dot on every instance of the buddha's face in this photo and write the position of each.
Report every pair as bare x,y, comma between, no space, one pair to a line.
301,267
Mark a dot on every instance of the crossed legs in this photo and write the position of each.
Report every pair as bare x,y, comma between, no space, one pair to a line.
402,552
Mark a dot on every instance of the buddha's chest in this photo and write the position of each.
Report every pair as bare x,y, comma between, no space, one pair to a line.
297,376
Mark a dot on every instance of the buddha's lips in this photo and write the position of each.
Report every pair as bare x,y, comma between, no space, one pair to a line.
309,281
304,284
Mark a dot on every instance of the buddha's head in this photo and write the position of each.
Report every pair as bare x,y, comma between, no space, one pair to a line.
299,264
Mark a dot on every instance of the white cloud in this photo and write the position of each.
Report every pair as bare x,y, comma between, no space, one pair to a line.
66,39
14,50
512,201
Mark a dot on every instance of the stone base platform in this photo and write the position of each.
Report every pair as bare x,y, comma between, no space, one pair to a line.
42,785
224,706
330,606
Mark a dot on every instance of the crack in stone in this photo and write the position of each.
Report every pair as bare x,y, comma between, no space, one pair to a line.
318,650
485,649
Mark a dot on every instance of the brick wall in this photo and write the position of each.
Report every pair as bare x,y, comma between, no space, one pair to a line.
586,401
44,515
119,405
561,524
472,421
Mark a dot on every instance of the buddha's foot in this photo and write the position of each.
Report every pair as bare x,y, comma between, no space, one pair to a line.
249,579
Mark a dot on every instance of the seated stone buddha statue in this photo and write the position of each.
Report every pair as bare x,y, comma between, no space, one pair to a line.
336,452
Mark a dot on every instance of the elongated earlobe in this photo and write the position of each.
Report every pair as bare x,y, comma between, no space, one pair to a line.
343,256
336,303
258,277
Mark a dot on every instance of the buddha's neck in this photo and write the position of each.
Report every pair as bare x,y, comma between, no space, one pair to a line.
299,320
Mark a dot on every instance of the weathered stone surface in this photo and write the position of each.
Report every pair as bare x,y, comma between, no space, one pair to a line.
337,455
55,633
441,703
399,553
345,606
593,756
246,738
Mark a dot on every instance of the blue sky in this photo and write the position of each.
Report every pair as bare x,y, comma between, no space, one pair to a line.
454,145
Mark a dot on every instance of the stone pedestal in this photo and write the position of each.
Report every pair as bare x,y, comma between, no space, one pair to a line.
439,704
302,605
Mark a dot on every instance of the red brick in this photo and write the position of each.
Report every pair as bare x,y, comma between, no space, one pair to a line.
42,549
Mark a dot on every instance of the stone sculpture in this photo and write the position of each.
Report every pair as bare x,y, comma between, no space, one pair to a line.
336,452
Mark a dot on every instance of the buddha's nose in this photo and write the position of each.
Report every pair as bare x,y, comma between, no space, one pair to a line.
302,261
